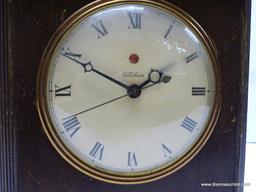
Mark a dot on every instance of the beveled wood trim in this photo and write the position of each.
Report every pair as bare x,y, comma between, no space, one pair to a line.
7,130
242,119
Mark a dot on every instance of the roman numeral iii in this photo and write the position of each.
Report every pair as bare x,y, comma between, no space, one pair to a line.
71,125
100,28
189,124
62,91
198,91
135,20
97,151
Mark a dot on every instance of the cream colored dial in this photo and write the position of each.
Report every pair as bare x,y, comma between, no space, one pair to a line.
130,89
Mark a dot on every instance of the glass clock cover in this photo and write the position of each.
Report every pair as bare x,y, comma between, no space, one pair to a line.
129,90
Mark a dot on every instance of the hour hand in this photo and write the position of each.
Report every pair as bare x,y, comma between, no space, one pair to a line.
155,76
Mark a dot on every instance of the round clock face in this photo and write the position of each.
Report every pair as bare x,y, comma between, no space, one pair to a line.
128,92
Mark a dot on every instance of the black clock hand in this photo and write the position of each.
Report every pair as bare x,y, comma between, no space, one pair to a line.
155,76
97,106
110,78
88,68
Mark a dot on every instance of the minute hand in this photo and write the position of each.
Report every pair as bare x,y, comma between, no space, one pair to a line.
88,67
110,78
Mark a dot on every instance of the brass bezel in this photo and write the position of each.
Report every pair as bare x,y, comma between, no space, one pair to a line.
45,116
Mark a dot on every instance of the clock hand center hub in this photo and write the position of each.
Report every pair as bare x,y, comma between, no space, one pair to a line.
133,91
88,67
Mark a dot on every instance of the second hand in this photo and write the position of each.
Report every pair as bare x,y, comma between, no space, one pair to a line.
97,106
105,103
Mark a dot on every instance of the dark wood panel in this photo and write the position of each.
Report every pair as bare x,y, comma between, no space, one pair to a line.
40,168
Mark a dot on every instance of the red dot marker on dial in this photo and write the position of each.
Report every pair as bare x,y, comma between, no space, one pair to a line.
134,58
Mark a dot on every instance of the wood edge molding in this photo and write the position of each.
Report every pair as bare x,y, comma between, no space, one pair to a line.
242,120
7,130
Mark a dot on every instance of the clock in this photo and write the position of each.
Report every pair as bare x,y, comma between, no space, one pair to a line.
129,91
